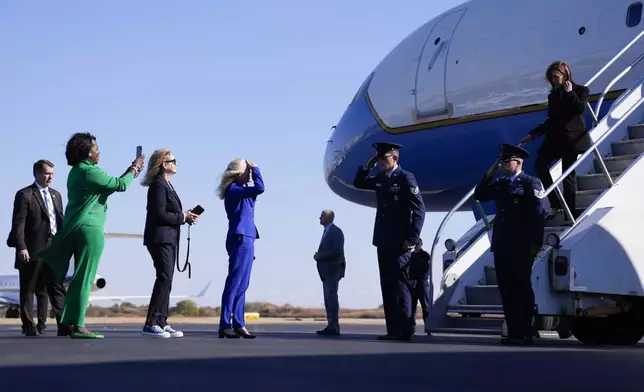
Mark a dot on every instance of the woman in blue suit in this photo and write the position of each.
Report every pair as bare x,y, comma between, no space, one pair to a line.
240,185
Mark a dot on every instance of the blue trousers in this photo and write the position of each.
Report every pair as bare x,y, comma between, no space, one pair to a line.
241,253
396,297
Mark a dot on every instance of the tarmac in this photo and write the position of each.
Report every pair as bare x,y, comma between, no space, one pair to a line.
288,356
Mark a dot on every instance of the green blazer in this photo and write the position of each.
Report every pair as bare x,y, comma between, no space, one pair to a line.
88,188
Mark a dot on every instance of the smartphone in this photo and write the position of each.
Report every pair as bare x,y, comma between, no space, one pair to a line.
139,151
198,210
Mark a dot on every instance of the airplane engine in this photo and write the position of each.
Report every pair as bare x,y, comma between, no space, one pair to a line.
99,283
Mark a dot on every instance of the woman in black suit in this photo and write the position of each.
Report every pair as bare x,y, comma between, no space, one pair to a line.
161,237
565,132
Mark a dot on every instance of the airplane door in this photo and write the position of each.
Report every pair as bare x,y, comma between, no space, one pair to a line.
431,102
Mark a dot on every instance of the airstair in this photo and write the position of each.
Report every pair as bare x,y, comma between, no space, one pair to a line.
588,278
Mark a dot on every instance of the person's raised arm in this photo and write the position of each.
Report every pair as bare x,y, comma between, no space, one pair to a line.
256,189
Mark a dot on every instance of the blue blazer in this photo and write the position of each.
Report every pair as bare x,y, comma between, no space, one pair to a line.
164,214
239,202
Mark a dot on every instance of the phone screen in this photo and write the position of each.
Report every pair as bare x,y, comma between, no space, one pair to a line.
139,151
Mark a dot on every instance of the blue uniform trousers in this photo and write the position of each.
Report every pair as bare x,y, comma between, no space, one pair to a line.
393,265
241,253
513,274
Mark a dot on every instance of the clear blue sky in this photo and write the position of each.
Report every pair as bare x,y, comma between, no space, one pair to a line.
212,81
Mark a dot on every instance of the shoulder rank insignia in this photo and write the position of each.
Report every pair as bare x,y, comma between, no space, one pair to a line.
539,193
414,190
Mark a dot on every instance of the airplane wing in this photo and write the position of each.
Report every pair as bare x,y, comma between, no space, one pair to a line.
129,297
6,299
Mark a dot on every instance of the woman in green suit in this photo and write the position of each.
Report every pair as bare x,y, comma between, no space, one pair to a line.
83,234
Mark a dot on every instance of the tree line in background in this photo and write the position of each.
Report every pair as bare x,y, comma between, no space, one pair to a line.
188,308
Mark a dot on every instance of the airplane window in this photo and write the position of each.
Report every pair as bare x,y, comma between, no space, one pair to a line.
634,14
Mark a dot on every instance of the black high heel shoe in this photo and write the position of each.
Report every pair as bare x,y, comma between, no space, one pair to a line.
224,334
244,333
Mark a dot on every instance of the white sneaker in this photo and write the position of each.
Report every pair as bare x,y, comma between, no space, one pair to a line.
155,332
173,332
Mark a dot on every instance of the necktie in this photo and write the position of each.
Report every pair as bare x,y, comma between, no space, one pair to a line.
50,212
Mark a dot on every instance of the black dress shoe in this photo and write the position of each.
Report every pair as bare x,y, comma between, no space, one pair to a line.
328,332
30,332
42,330
244,333
396,337
228,335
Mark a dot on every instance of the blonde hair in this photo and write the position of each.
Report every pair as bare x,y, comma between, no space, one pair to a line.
154,165
235,168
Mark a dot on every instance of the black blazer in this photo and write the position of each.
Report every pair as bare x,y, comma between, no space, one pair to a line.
30,227
164,214
565,128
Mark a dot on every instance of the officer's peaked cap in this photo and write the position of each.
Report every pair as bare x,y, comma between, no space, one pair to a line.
508,151
383,148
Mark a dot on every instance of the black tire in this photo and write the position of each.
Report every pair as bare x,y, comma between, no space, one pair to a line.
617,330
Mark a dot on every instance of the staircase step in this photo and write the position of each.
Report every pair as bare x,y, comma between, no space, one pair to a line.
474,322
636,131
594,181
481,309
490,275
483,295
585,198
628,147
616,163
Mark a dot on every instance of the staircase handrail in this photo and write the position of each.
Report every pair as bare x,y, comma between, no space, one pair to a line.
594,113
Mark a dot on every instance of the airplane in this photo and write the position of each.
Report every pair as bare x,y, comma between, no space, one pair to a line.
10,287
472,78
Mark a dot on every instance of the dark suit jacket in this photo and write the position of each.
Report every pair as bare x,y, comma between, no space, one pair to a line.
565,129
164,214
30,227
330,255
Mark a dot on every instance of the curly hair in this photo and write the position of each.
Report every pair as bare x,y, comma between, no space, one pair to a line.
79,147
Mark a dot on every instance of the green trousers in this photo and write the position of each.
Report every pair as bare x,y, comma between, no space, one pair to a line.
88,243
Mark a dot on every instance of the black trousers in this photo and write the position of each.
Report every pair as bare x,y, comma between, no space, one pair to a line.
545,157
37,279
513,274
163,256
393,265
421,293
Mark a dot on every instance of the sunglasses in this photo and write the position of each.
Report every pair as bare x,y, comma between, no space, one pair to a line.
172,161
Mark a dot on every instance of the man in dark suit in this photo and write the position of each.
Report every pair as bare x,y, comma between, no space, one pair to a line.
420,286
565,133
37,216
331,267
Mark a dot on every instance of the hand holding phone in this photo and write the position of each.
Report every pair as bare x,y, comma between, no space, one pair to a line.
198,210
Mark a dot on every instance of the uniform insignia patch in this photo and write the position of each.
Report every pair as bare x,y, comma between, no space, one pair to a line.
414,190
539,193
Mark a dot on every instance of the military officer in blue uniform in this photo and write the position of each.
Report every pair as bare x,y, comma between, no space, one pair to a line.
400,216
516,238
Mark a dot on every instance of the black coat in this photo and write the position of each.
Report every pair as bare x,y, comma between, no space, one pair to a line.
565,128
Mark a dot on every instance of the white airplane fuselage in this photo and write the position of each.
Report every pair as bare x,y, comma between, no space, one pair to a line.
472,78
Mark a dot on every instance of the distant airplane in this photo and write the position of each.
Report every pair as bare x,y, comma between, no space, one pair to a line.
10,287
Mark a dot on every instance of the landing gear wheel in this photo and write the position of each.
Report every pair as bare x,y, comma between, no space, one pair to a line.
12,313
617,330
